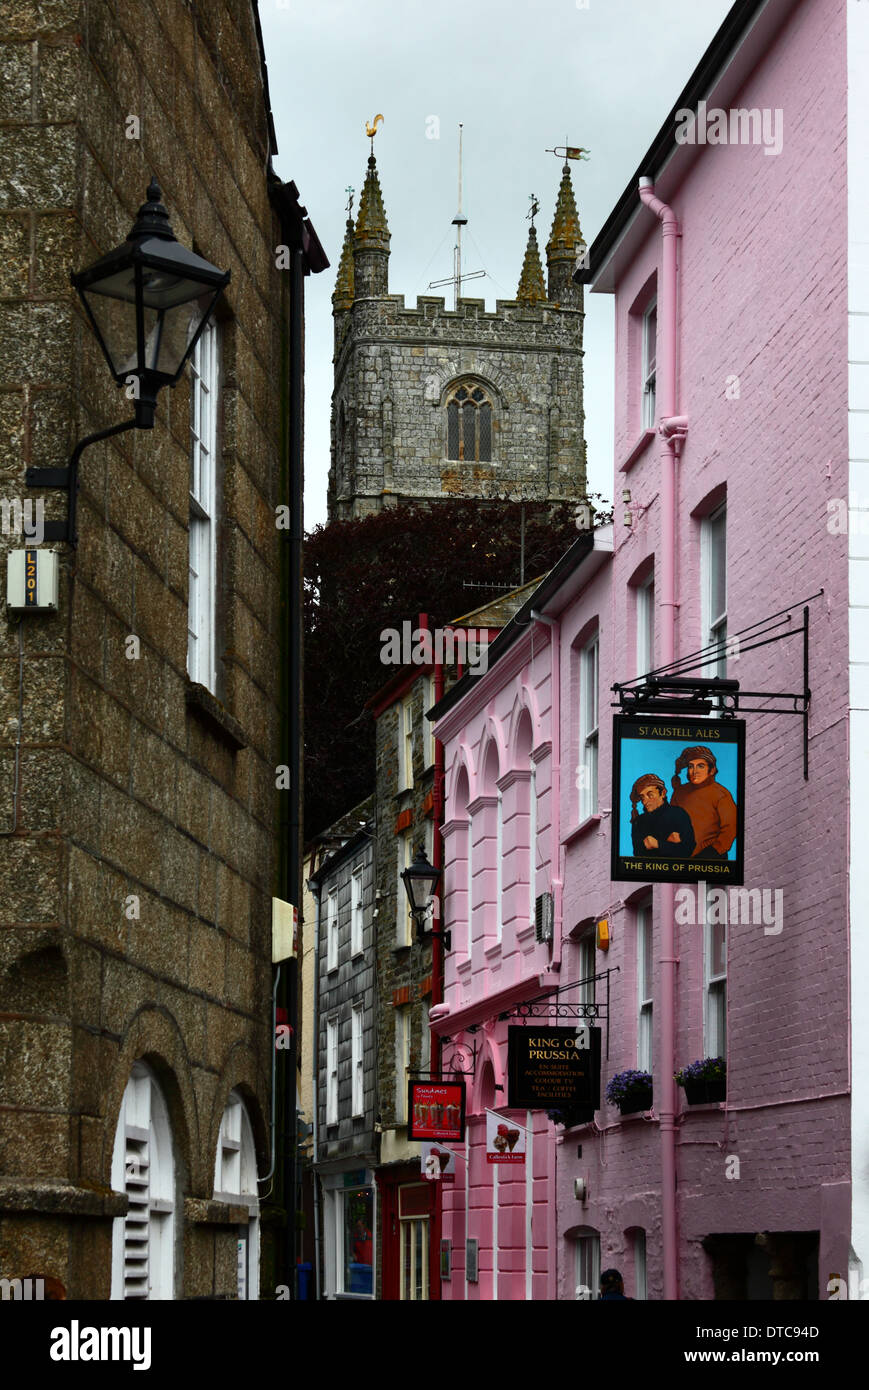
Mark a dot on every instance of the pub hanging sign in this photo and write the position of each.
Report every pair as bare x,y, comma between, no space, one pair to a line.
553,1068
678,799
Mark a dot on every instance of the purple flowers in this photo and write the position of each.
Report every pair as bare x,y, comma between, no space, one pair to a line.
626,1084
705,1069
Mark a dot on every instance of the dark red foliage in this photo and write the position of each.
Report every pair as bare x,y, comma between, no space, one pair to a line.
367,575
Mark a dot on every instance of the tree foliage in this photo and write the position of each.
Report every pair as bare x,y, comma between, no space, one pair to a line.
377,572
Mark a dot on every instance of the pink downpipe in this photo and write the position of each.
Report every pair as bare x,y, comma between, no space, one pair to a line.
665,1087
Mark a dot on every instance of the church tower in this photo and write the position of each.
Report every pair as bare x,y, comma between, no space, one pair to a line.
434,402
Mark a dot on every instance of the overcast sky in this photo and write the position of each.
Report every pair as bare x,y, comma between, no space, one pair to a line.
521,77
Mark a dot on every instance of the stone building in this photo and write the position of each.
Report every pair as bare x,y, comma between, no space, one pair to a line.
141,724
431,402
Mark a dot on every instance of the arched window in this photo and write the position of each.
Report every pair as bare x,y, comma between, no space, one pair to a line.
235,1181
469,424
143,1166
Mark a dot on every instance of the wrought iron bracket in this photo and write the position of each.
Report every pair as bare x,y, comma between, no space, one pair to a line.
669,691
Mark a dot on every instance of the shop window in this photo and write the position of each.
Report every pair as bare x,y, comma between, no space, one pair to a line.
356,1237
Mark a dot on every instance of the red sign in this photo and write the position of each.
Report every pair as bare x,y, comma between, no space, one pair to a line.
436,1110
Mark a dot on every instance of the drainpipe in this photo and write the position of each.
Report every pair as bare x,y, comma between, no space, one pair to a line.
557,874
437,972
315,1059
671,430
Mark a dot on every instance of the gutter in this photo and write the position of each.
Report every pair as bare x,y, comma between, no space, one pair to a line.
314,889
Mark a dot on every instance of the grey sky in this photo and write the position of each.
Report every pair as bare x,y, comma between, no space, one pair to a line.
521,77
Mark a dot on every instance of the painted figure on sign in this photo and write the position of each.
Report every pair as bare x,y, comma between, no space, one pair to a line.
711,807
662,831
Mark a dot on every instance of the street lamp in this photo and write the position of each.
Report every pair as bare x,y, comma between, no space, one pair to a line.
148,302
420,881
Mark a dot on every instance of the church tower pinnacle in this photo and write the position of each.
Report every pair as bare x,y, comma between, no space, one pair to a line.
531,289
371,244
563,246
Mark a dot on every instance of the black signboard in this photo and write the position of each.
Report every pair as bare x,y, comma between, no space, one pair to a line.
678,799
549,1069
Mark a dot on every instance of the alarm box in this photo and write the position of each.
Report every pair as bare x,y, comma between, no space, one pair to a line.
32,581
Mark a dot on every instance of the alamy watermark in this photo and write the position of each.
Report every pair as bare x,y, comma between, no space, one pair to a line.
25,518
738,126
754,907
443,646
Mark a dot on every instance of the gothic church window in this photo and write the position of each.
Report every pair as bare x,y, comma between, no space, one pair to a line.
469,425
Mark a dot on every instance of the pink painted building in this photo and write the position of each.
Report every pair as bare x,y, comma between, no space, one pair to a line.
737,260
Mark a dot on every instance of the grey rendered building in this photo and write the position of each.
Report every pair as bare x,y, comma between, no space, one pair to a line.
345,1150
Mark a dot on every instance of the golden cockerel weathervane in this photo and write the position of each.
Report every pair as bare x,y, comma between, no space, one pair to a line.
371,130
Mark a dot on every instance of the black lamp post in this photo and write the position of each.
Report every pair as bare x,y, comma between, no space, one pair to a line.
148,302
420,881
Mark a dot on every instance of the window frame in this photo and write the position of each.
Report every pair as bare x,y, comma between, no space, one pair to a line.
331,930
332,1109
405,744
203,506
357,921
589,728
645,614
587,965
429,750
238,1186
714,984
713,535
451,401
645,957
403,1028
403,915
357,1058
650,364
586,1257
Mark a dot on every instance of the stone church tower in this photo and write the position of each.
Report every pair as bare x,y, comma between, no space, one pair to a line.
432,402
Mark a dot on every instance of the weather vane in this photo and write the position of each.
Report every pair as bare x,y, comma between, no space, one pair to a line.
534,208
350,191
371,130
571,151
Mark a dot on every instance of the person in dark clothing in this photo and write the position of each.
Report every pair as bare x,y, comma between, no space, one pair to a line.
612,1287
662,831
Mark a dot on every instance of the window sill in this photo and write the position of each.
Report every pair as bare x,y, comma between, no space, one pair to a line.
403,946
584,828
638,450
207,708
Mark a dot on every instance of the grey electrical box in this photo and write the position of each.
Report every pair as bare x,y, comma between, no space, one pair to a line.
32,581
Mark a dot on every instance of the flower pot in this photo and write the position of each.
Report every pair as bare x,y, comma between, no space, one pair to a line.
636,1101
705,1092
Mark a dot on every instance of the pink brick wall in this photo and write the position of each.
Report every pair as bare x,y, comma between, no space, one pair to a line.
762,298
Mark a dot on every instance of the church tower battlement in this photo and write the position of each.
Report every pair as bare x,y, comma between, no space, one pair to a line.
434,402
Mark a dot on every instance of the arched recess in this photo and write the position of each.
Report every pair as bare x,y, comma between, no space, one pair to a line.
522,744
490,1074
143,1166
154,1037
462,767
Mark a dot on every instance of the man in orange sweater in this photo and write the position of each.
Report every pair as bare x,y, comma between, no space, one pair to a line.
711,808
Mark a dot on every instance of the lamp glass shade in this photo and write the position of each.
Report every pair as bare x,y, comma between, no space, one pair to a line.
149,299
420,881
